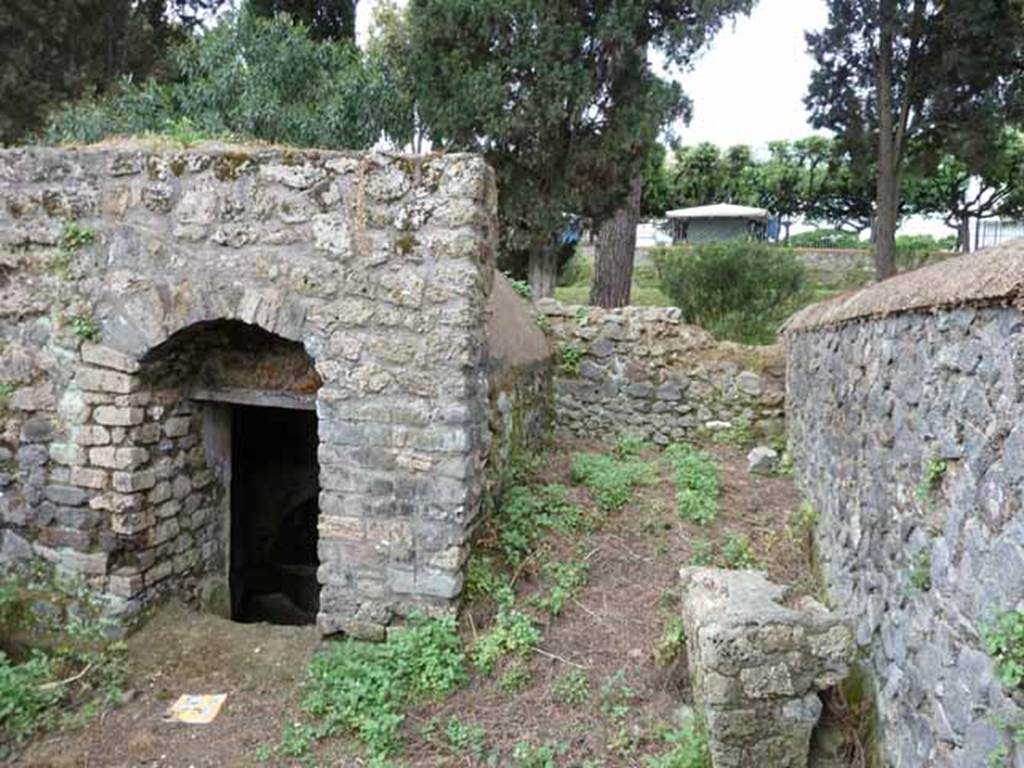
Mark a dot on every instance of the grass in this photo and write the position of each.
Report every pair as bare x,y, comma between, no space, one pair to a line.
1004,641
646,290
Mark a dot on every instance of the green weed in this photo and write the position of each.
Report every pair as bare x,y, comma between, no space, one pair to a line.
465,738
736,552
629,446
73,237
689,749
610,480
616,696
565,580
513,633
673,638
931,477
361,688
1004,641
570,355
526,512
526,755
802,521
515,678
697,485
521,287
75,668
572,688
703,553
85,328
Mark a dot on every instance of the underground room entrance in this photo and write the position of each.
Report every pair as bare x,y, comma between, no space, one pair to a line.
274,510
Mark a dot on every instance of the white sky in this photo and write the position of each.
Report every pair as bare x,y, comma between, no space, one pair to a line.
748,87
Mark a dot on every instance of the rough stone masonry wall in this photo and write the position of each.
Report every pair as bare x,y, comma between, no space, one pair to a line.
923,369
758,665
640,371
379,266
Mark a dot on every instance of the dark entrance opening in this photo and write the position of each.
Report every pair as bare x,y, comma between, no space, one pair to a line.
274,509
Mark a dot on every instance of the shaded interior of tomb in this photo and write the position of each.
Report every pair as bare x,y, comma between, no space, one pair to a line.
274,509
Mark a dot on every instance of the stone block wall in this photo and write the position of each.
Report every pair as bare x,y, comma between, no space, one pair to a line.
758,665
640,371
907,428
379,268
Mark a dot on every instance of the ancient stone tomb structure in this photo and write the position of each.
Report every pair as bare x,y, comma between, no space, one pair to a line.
906,418
256,374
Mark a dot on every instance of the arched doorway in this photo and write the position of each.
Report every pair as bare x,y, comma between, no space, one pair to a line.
251,395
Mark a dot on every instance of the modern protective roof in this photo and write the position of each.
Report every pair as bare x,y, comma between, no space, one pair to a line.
719,211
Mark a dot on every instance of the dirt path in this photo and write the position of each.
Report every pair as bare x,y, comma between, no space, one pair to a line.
608,633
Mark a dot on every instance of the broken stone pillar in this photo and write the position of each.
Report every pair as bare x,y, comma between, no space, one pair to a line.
757,665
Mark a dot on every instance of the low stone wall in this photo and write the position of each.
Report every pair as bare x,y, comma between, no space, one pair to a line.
839,267
641,371
906,420
757,665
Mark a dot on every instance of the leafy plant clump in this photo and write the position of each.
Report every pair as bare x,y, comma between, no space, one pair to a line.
521,287
934,470
57,666
526,512
673,638
610,480
737,553
1004,641
362,688
85,328
697,485
737,290
565,580
570,355
572,688
513,633
689,749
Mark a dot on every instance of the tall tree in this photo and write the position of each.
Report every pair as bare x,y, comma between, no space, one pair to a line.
559,97
966,187
55,50
895,73
325,19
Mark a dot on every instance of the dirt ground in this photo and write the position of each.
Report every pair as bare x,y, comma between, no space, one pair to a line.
608,632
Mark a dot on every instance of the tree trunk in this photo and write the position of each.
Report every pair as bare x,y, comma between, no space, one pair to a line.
543,268
616,249
888,170
964,235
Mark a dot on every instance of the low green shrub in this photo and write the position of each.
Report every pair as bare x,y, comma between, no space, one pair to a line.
527,512
610,480
362,688
670,645
915,251
697,485
737,290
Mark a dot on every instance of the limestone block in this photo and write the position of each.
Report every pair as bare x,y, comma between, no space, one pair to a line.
758,665
101,380
114,416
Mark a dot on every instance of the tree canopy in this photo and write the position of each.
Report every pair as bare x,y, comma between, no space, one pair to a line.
255,77
54,50
897,74
558,95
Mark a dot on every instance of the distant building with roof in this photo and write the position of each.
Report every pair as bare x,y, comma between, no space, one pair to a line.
707,223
